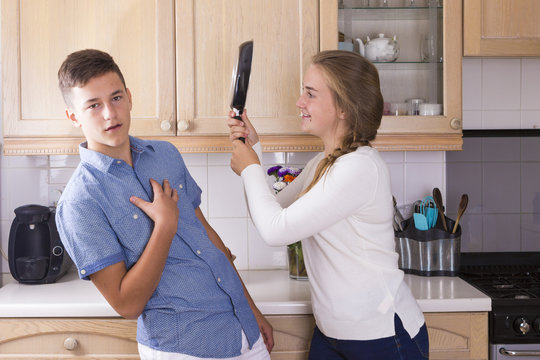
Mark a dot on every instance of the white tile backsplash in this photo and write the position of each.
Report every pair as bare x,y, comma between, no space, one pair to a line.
530,119
233,232
226,193
501,119
501,84
472,83
530,84
472,119
40,180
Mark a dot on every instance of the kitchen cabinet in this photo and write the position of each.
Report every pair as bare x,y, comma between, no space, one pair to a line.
436,80
177,62
501,28
38,35
455,336
104,338
82,338
451,336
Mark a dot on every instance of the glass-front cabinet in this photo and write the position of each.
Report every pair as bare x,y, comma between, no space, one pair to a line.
416,46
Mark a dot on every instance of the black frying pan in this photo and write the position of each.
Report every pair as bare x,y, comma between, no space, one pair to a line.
240,80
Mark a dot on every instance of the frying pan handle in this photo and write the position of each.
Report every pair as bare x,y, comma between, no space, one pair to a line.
242,139
238,117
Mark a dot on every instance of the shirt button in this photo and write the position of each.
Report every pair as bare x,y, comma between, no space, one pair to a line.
118,161
135,216
181,186
218,279
198,252
83,271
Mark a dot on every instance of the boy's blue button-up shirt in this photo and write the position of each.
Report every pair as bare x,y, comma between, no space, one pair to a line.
199,307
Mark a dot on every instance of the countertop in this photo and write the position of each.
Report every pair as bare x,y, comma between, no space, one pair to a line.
272,290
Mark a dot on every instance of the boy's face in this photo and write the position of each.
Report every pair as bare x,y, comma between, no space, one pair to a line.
102,109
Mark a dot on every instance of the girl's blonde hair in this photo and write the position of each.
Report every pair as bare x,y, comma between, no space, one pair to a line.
354,84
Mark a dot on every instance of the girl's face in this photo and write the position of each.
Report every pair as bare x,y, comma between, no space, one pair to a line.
319,114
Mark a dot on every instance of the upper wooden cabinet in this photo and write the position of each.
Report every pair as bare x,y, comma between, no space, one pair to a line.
435,80
38,35
177,57
501,28
208,33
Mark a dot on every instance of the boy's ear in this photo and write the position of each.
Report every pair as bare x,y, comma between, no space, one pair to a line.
129,98
71,116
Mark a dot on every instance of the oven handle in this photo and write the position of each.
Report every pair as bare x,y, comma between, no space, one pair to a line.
518,353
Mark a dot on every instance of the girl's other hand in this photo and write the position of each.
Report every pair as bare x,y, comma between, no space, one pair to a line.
242,128
243,155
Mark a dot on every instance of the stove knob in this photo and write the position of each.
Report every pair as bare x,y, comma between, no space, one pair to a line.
536,324
521,325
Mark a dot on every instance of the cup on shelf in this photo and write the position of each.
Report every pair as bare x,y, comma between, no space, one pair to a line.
398,109
345,45
426,109
413,106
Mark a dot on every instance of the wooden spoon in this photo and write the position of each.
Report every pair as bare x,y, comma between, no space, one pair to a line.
461,209
438,201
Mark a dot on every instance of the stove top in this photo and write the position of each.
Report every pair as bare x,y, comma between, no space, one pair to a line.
512,281
507,285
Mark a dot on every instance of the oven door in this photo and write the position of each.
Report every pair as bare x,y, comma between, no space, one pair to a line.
514,351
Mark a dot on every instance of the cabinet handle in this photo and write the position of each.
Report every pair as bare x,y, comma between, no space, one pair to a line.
503,351
70,343
182,125
165,125
455,123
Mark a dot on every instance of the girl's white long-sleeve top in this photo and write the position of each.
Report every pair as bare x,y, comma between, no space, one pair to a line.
345,224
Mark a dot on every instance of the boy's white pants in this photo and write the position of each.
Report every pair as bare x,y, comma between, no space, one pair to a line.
258,352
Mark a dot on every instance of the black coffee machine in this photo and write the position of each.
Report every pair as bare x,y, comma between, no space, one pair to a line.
36,254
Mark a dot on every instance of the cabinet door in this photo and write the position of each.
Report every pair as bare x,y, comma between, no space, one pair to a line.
434,79
457,335
501,28
38,35
292,336
68,339
285,36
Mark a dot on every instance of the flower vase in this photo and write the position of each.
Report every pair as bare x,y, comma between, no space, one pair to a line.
297,269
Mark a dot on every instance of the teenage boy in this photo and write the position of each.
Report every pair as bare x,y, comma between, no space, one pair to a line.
130,220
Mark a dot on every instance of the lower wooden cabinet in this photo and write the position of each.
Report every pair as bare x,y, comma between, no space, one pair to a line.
451,336
454,336
292,336
68,338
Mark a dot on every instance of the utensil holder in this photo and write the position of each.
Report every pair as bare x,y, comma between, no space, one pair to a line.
432,252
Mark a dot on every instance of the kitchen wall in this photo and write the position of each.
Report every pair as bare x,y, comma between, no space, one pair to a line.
500,93
500,174
40,179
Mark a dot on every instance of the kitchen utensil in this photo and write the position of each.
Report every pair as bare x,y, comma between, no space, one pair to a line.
380,49
438,201
413,106
420,221
398,109
240,79
429,109
398,218
429,210
461,209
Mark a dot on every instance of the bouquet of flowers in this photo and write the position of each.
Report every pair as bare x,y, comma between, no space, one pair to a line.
284,175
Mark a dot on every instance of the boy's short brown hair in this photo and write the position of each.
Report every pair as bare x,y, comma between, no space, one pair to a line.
83,65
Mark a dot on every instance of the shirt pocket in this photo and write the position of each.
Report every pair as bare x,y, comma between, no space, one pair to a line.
134,229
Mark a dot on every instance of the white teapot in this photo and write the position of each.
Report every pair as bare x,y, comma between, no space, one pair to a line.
379,49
